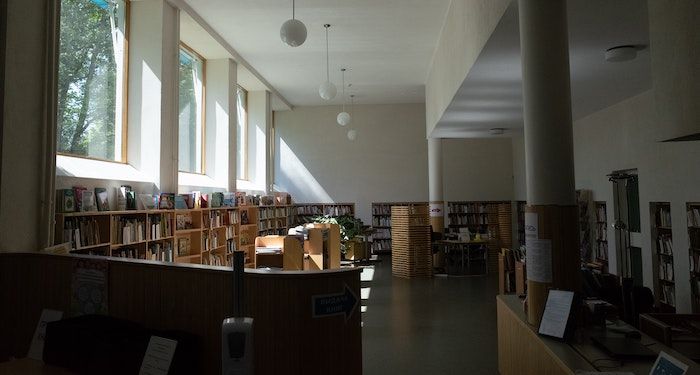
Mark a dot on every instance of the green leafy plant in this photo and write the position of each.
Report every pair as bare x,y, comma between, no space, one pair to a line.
349,227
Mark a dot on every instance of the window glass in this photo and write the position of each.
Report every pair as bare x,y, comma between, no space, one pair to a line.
191,92
242,136
91,79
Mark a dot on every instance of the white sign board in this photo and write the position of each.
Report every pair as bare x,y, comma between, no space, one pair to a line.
159,355
539,260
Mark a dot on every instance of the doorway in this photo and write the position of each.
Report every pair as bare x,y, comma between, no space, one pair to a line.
626,211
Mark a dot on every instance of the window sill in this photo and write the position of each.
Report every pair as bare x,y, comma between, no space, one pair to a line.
193,181
70,166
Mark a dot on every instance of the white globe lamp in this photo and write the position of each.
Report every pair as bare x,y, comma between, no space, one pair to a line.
352,134
293,32
344,118
327,90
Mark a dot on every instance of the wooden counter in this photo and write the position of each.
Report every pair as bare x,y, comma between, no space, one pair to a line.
195,299
522,351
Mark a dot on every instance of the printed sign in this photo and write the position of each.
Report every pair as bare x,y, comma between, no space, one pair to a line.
539,260
437,209
531,226
159,355
326,305
89,287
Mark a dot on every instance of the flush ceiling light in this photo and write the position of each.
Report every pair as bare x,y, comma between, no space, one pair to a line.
344,118
293,31
496,131
327,89
621,53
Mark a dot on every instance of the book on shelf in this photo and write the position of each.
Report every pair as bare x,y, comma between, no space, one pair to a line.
180,203
78,194
183,247
244,218
228,199
128,230
183,221
663,217
87,201
162,251
204,201
102,199
160,226
230,246
121,197
694,238
668,295
128,253
81,232
167,201
601,215
694,216
666,270
665,245
65,200
147,202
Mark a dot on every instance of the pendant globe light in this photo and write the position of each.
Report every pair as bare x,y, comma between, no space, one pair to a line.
327,90
344,118
293,31
352,133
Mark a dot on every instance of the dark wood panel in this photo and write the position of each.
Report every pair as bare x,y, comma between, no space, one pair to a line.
195,299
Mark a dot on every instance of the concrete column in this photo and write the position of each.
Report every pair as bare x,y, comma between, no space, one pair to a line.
169,101
551,226
435,188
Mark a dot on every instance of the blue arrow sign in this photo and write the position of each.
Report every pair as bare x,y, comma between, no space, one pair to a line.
326,305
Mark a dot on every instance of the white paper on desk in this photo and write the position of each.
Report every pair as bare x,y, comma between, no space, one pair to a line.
158,356
36,350
539,260
556,313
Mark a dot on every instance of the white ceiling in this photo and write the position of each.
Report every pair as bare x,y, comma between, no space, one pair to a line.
491,95
385,44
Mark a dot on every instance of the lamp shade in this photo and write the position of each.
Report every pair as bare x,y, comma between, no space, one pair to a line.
327,90
293,32
344,118
352,134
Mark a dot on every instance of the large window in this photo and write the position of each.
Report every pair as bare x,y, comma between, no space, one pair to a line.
91,79
191,118
242,133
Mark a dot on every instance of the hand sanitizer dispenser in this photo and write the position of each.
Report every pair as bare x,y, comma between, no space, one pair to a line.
237,332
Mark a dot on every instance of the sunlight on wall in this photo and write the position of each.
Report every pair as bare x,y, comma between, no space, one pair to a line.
296,179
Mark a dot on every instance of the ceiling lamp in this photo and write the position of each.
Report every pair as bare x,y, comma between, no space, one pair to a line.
327,89
621,53
344,118
352,134
496,131
293,31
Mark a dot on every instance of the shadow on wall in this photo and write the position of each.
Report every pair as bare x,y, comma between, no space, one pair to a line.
296,179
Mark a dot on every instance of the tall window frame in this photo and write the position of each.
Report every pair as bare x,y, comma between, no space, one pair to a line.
201,117
242,133
121,87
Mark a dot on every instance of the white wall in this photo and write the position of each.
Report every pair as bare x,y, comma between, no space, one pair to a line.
315,161
468,25
477,169
623,136
519,183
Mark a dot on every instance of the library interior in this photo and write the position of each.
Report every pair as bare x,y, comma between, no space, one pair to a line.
350,186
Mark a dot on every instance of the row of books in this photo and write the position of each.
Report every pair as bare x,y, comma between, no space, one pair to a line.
694,238
601,232
274,212
602,251
160,251
81,232
382,234
160,226
210,240
309,210
215,260
694,217
230,232
664,244
383,209
272,224
128,253
663,217
128,230
668,294
381,221
601,214
695,262
455,208
665,269
381,245
343,210
273,232
469,220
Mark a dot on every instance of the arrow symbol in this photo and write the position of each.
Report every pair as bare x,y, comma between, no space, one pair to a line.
344,303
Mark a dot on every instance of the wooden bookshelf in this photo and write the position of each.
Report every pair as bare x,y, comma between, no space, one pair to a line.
249,227
478,217
381,222
662,248
693,220
275,220
411,250
197,236
304,212
585,208
601,235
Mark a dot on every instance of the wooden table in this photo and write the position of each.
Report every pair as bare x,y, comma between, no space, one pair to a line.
522,351
452,246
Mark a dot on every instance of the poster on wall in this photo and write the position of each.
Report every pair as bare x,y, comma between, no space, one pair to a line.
89,287
437,209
